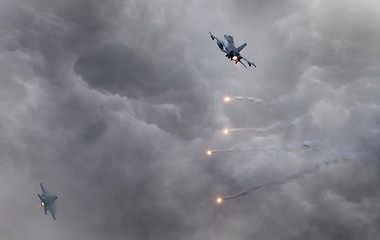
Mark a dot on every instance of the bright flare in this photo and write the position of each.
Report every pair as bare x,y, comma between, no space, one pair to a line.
209,152
235,58
42,204
225,131
227,99
219,200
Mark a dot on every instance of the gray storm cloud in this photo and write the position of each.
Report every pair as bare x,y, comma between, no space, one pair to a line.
111,104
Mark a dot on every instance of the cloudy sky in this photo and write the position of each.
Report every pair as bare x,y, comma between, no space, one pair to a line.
112,104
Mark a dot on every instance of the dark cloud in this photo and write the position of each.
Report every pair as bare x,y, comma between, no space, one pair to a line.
113,105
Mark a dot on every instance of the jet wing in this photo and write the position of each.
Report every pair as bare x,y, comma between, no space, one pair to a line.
219,43
242,64
44,192
249,63
51,209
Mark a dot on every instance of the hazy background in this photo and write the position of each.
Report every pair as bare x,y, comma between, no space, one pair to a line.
112,104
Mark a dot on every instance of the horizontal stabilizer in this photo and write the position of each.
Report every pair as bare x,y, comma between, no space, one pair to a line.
249,63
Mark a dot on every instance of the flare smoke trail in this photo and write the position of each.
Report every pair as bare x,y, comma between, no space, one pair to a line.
289,177
303,146
248,99
277,127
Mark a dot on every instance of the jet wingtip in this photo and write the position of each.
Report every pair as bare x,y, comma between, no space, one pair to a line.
212,36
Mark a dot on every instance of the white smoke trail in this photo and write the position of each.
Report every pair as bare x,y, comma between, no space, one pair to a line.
245,130
296,148
289,177
209,152
275,128
248,99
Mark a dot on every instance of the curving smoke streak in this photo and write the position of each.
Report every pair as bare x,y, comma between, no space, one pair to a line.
289,177
296,148
303,146
209,152
277,127
245,130
248,99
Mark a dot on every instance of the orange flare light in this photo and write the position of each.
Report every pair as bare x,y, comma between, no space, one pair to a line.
227,99
42,204
235,58
209,152
219,200
226,131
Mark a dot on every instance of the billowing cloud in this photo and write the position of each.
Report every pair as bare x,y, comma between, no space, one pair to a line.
114,104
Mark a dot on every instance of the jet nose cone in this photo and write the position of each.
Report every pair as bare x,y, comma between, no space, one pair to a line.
228,37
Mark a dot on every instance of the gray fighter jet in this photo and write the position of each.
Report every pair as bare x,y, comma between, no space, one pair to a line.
47,201
230,50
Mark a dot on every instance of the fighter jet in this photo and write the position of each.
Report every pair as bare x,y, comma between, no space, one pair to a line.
47,201
230,50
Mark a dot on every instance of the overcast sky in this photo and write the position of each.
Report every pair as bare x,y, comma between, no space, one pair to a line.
112,104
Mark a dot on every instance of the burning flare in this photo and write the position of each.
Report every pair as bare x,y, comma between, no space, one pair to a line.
226,131
219,200
42,204
209,152
235,59
241,99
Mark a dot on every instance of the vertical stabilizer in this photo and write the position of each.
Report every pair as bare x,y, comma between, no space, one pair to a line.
241,47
